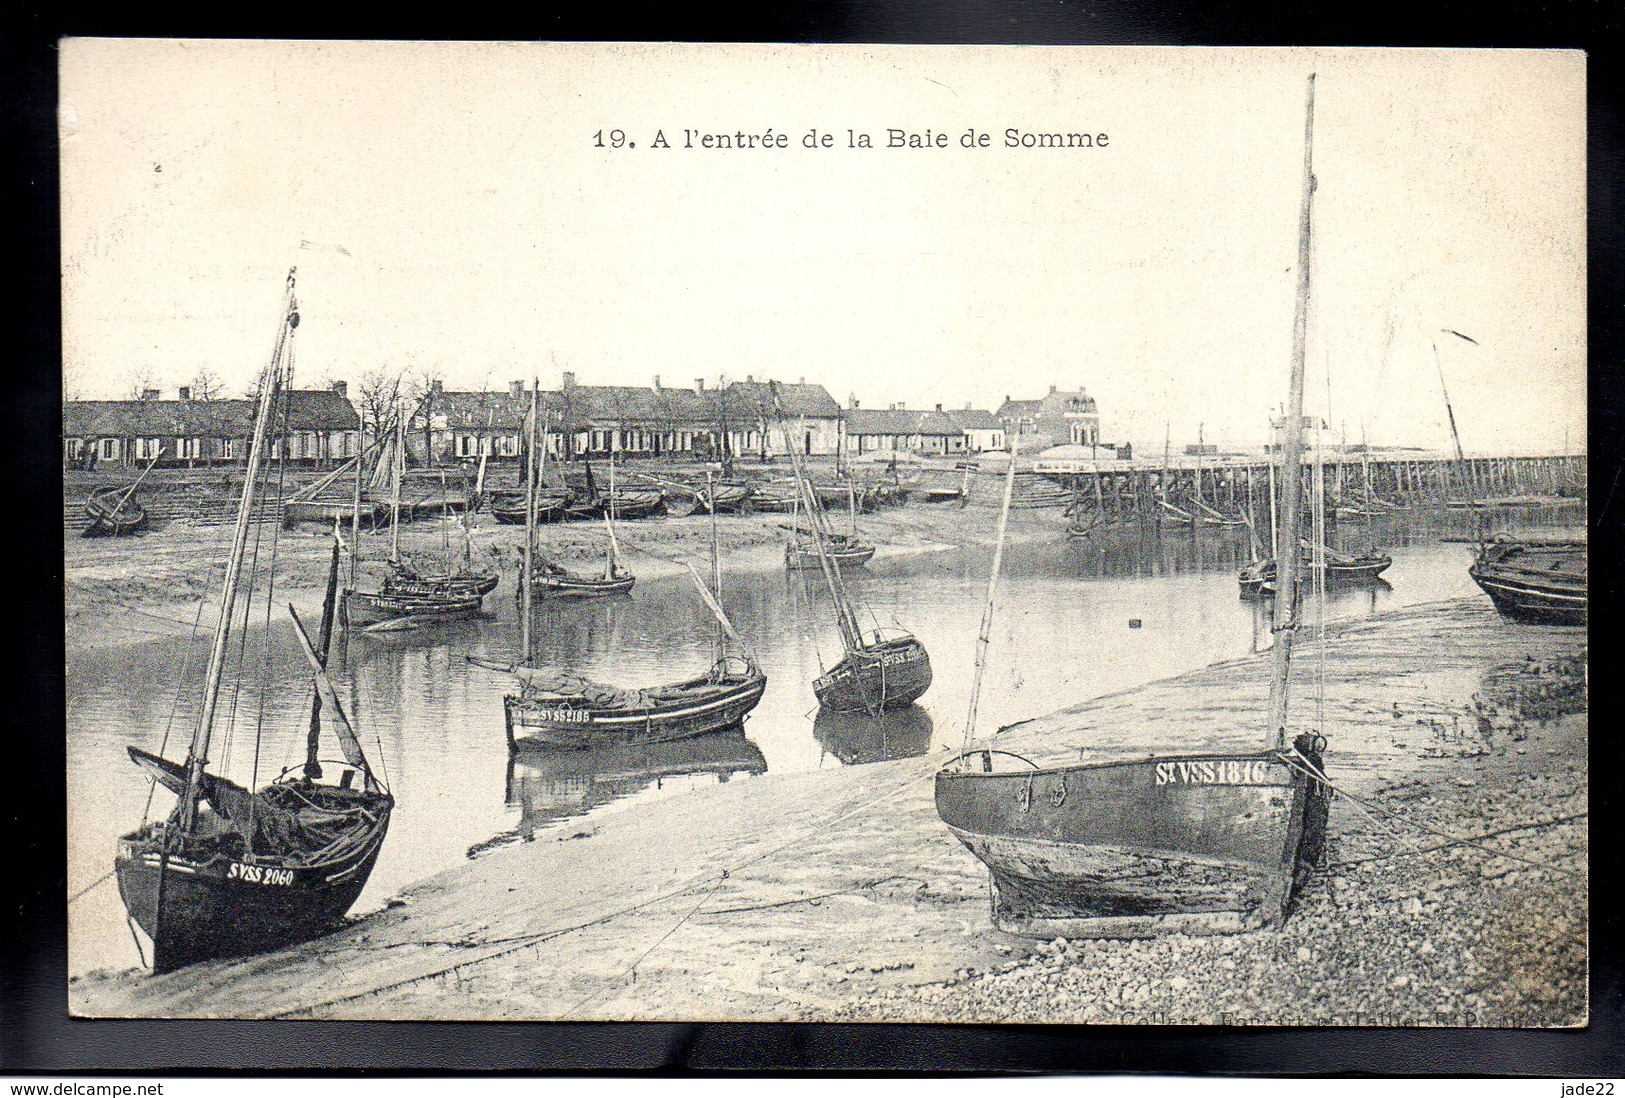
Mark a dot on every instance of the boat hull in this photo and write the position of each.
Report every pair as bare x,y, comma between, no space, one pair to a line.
576,723
219,907
579,587
806,557
1362,571
327,512
1200,844
1530,582
106,516
381,609
888,675
461,584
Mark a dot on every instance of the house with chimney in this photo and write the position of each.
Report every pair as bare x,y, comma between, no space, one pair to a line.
1059,418
812,419
311,427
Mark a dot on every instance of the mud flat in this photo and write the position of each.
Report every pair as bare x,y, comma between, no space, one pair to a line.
127,590
839,895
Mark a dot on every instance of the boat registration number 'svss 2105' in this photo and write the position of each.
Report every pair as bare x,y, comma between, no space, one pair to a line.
1220,772
259,874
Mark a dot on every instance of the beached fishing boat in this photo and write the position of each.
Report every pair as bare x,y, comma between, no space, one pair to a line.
1190,842
508,508
879,669
113,511
1534,579
406,599
847,550
231,871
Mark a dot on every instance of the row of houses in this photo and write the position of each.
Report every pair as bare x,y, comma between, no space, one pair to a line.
322,427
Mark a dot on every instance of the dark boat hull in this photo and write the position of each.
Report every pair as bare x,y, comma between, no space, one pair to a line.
887,675
1532,582
511,512
106,516
381,610
577,723
1199,844
461,584
1352,574
219,907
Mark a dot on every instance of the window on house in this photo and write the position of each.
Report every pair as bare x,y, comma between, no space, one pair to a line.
147,448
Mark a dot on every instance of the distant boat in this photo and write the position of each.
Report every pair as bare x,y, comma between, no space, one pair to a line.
550,579
847,550
113,511
561,708
1534,580
1341,569
508,508
232,871
406,599
881,669
1198,842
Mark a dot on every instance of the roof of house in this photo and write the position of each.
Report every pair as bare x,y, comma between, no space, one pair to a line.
799,399
307,410
1054,403
899,421
975,419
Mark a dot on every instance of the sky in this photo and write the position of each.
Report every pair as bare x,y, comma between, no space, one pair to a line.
450,210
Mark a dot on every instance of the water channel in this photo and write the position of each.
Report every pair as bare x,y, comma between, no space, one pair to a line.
1076,619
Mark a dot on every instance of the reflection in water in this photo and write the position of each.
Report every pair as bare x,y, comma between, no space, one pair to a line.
857,738
1062,635
548,784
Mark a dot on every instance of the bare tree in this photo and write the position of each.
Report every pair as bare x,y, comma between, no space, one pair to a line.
142,379
206,384
376,395
423,384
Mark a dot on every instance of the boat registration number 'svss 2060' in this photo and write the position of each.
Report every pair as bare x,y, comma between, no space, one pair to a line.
1220,772
259,874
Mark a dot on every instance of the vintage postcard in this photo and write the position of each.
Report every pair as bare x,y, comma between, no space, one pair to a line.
825,533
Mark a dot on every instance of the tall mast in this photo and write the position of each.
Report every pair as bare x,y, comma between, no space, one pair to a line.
525,576
844,617
1287,553
716,556
983,638
198,755
398,469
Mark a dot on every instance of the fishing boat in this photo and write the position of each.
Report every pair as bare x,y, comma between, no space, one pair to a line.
508,508
847,550
1534,579
563,709
722,497
1340,569
879,669
113,511
1191,842
405,599
231,871
550,579
560,708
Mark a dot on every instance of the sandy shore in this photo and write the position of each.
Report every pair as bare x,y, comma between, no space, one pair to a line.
128,590
839,895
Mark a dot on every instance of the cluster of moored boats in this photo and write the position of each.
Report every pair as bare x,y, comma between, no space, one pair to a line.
1206,841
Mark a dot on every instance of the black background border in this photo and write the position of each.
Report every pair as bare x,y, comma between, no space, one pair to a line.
36,1035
